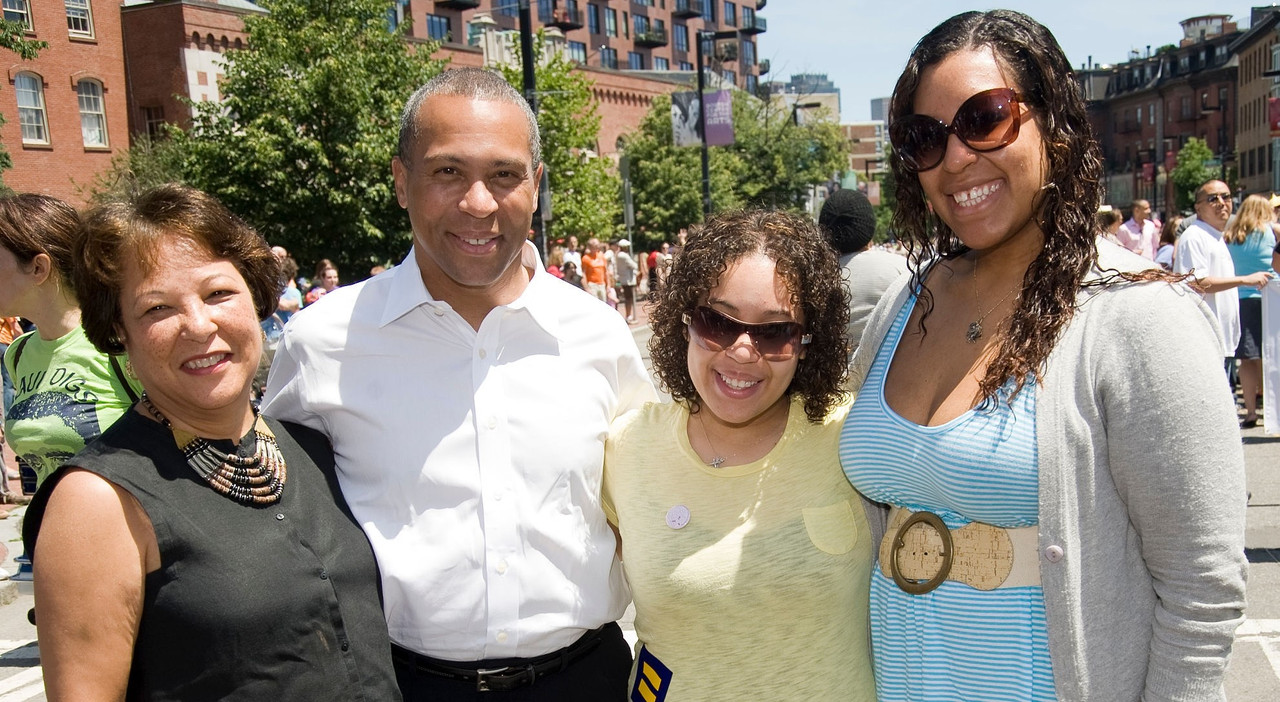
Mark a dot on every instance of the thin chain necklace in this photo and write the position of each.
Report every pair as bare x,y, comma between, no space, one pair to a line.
975,327
717,459
257,479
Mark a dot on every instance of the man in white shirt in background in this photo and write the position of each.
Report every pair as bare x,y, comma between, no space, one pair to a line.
1202,253
468,394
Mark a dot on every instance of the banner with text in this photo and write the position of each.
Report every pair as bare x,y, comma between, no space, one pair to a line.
685,111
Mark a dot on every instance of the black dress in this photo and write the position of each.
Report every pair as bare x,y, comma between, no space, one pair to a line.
278,602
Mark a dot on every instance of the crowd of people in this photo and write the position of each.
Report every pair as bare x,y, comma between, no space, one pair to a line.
960,474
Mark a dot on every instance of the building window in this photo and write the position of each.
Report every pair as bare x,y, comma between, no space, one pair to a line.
635,61
18,11
753,85
79,18
642,23
153,120
748,53
1151,113
593,18
578,51
31,115
610,22
681,36
508,8
709,10
686,66
609,57
661,64
730,14
748,17
438,27
731,76
93,118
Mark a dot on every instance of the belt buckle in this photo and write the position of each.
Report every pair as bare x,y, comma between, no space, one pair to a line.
920,587
503,679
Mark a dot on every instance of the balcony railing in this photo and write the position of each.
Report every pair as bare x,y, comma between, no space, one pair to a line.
686,8
651,37
566,20
755,25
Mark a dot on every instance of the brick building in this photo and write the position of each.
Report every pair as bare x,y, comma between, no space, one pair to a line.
1258,51
65,110
175,48
1145,109
866,147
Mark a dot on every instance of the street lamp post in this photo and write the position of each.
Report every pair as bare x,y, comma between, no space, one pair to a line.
539,223
704,35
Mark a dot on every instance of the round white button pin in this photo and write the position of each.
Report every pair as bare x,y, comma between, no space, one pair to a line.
677,517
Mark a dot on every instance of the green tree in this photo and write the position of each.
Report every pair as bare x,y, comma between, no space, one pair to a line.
1191,172
13,38
584,188
772,163
145,164
666,180
301,145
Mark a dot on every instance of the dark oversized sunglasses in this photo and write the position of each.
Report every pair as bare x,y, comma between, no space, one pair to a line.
775,341
985,122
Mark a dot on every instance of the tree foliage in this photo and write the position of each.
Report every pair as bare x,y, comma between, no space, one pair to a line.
13,38
584,189
301,145
1190,172
145,164
772,163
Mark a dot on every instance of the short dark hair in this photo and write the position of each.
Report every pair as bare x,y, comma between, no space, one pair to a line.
807,265
32,224
471,82
116,232
848,221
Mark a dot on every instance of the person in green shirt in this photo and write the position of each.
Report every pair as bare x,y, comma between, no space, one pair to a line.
66,392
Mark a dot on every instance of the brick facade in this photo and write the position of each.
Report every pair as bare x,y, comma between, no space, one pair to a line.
61,163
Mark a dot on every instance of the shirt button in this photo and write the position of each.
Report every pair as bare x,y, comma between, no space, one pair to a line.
324,575
493,422
1053,554
497,497
439,312
345,644
502,567
502,637
482,353
279,516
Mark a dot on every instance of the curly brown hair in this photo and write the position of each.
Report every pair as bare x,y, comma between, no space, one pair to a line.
1066,204
116,232
808,267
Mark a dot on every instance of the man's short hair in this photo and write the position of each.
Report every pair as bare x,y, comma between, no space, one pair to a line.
475,83
847,221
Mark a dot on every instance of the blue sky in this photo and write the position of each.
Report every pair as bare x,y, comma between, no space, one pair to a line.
862,46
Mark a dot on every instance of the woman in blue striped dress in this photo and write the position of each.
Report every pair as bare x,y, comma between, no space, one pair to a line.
1067,506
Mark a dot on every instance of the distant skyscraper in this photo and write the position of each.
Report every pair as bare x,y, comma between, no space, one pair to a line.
879,109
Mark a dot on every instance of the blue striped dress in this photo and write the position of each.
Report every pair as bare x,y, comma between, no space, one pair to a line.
956,642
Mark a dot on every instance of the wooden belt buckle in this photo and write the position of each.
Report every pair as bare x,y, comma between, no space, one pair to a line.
920,587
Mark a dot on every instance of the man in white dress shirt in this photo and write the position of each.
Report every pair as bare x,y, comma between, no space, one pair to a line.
1202,253
1140,234
468,393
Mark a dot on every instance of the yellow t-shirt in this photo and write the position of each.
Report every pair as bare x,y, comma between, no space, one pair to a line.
750,582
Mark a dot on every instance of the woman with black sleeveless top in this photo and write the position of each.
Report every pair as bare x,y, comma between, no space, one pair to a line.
197,551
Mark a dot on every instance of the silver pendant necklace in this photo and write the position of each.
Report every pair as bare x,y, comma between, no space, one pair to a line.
717,460
975,327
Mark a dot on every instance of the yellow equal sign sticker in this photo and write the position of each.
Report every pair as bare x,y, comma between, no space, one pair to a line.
653,679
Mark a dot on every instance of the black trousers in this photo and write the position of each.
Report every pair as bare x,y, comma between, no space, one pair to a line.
599,676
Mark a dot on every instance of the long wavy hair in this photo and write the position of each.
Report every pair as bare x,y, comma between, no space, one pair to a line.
1255,214
811,272
1066,203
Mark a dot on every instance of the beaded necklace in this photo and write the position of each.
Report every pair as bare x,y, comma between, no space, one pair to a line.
257,479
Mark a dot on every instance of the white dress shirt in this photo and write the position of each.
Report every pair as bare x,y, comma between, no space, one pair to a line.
472,458
1202,251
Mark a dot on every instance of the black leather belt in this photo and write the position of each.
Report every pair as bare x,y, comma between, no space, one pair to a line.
502,674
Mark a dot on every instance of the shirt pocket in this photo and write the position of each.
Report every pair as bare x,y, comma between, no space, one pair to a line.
833,528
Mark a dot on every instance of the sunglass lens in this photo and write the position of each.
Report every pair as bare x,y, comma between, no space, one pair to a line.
985,121
774,339
715,330
919,140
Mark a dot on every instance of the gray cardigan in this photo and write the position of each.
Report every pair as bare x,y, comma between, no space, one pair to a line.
1142,491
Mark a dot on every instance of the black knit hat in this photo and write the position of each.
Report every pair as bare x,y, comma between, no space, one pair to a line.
847,220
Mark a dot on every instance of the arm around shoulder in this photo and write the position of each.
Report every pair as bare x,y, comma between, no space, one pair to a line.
95,548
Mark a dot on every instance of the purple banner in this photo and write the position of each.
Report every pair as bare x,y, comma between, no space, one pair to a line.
685,109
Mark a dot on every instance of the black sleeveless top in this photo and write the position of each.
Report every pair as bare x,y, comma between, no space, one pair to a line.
278,602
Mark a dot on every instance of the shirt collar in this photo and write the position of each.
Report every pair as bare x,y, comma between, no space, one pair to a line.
407,291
